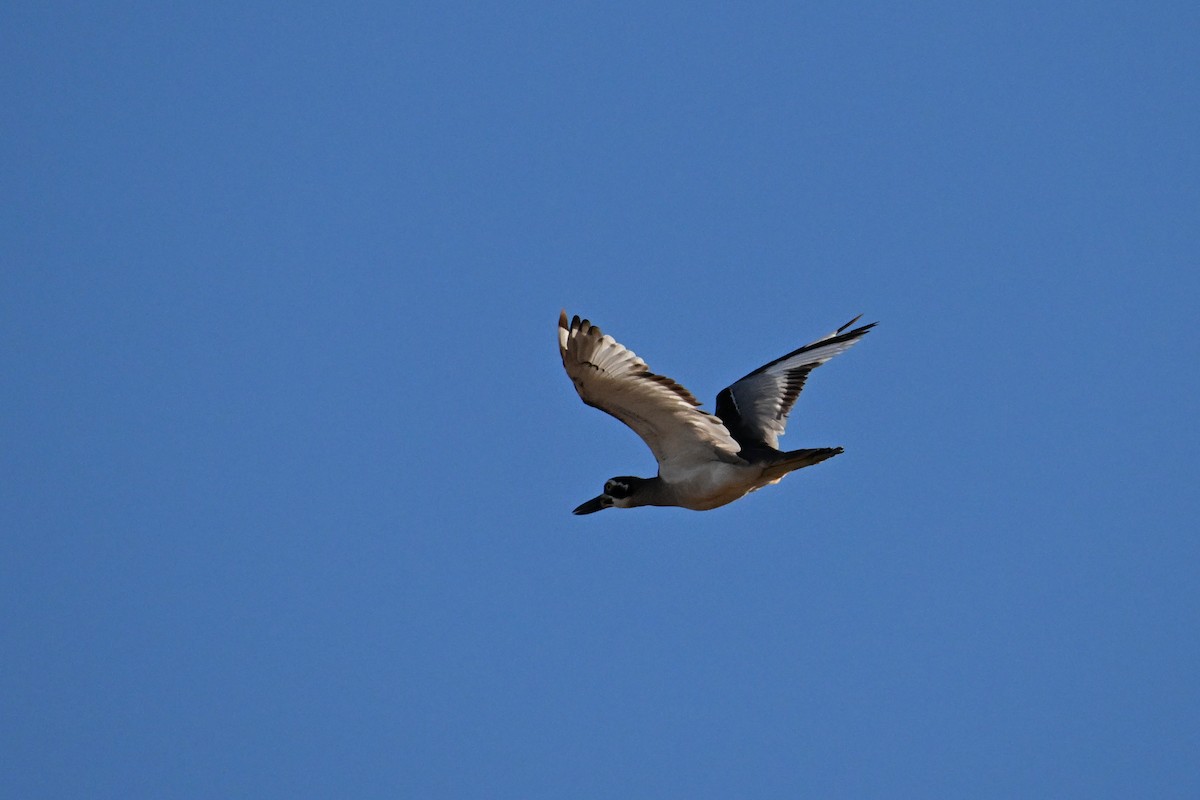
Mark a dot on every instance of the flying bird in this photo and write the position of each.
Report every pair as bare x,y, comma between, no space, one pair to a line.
704,460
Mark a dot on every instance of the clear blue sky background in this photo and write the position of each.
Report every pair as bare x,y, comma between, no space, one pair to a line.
289,456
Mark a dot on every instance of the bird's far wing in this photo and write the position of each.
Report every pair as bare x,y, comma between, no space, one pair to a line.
613,379
755,408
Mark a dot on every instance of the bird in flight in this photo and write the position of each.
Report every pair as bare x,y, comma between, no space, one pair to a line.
704,460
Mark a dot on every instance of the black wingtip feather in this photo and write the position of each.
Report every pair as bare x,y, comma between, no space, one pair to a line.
851,322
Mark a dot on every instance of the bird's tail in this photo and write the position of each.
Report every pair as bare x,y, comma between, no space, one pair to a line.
798,459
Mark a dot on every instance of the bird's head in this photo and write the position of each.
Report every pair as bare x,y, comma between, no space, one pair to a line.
619,492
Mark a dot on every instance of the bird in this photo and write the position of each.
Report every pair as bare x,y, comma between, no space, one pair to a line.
704,460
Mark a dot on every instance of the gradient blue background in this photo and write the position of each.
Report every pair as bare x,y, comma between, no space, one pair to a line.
289,457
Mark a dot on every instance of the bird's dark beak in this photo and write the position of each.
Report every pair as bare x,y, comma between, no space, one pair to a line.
591,506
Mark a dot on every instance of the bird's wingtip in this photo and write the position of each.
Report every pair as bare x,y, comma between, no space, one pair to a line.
848,324
564,330
860,330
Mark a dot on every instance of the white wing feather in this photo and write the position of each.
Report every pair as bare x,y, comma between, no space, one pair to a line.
610,377
762,400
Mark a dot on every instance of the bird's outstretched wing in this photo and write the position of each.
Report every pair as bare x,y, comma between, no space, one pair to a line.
755,408
613,379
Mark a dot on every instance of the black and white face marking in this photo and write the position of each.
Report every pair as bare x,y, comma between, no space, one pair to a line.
618,488
617,493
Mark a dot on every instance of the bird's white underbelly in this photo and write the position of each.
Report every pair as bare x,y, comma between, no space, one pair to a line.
704,486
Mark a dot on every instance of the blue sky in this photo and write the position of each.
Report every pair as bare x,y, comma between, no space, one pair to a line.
289,457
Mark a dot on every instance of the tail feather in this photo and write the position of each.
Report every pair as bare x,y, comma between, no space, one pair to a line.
798,459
